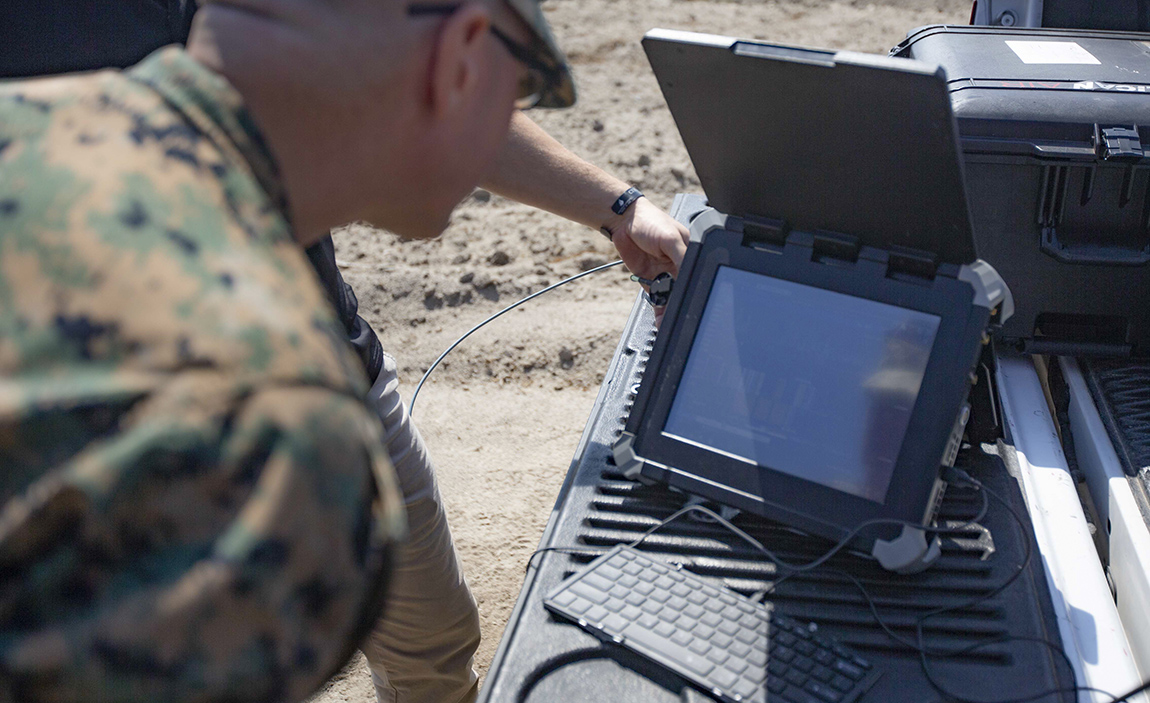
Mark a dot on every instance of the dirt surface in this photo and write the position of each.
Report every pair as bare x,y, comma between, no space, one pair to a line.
503,413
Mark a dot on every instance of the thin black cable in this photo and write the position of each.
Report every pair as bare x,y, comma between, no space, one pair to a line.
566,550
509,308
550,666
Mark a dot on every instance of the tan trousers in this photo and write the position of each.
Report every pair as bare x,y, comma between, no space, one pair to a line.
422,650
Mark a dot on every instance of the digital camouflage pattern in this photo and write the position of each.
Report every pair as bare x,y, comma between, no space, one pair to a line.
195,503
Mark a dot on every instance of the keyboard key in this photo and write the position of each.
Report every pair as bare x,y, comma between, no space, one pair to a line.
823,674
694,611
724,678
565,598
737,665
592,594
614,624
664,582
717,655
704,632
720,640
842,683
663,630
803,664
795,677
824,657
609,572
597,582
580,606
777,668
728,628
631,613
696,598
823,691
739,649
849,670
757,658
596,614
650,606
776,685
746,636
634,599
711,620
699,647
668,615
633,569
804,647
677,603
628,581
745,688
615,605
680,590
644,589
681,638
784,654
660,596
647,621
652,642
786,639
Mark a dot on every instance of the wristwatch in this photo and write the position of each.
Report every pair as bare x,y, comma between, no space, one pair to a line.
624,201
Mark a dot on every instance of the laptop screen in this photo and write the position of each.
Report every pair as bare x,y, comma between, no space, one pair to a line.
810,382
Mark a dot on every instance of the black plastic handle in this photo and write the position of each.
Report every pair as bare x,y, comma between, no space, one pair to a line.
1088,254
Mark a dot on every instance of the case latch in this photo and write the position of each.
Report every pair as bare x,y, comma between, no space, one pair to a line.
1119,144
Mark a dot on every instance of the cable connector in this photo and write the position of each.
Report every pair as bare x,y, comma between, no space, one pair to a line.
957,477
658,288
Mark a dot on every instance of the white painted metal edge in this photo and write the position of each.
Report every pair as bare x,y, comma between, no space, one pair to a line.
1128,534
1088,620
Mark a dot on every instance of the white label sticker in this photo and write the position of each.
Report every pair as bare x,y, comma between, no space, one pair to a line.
1052,52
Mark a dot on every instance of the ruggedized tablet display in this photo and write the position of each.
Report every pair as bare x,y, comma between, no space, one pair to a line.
815,358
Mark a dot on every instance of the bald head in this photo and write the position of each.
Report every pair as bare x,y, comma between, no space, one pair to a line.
373,114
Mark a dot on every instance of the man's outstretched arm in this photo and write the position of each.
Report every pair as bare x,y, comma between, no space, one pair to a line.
535,169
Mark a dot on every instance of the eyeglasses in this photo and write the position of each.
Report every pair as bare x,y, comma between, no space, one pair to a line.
535,79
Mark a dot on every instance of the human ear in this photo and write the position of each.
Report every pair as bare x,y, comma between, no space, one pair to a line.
458,58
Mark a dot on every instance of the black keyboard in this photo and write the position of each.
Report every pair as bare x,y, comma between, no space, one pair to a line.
723,642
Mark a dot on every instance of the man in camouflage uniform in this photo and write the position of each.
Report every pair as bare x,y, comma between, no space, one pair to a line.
195,503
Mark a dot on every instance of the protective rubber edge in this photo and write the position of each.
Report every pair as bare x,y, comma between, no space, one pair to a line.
990,291
706,221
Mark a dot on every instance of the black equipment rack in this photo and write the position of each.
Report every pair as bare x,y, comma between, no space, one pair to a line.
541,658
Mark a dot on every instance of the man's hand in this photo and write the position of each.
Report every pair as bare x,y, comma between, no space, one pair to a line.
649,241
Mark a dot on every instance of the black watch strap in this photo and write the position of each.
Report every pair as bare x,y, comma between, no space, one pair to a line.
625,200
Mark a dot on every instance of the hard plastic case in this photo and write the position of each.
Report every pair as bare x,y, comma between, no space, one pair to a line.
1052,124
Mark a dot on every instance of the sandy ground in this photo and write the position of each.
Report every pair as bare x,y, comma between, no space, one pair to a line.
503,414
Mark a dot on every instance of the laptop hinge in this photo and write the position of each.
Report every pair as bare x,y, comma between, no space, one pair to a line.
832,245
763,230
912,262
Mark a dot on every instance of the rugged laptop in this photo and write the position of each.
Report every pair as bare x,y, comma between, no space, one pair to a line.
814,363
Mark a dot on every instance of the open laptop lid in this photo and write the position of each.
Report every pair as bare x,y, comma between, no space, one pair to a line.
819,139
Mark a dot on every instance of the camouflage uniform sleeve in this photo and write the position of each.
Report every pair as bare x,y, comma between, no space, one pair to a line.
195,503
223,556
